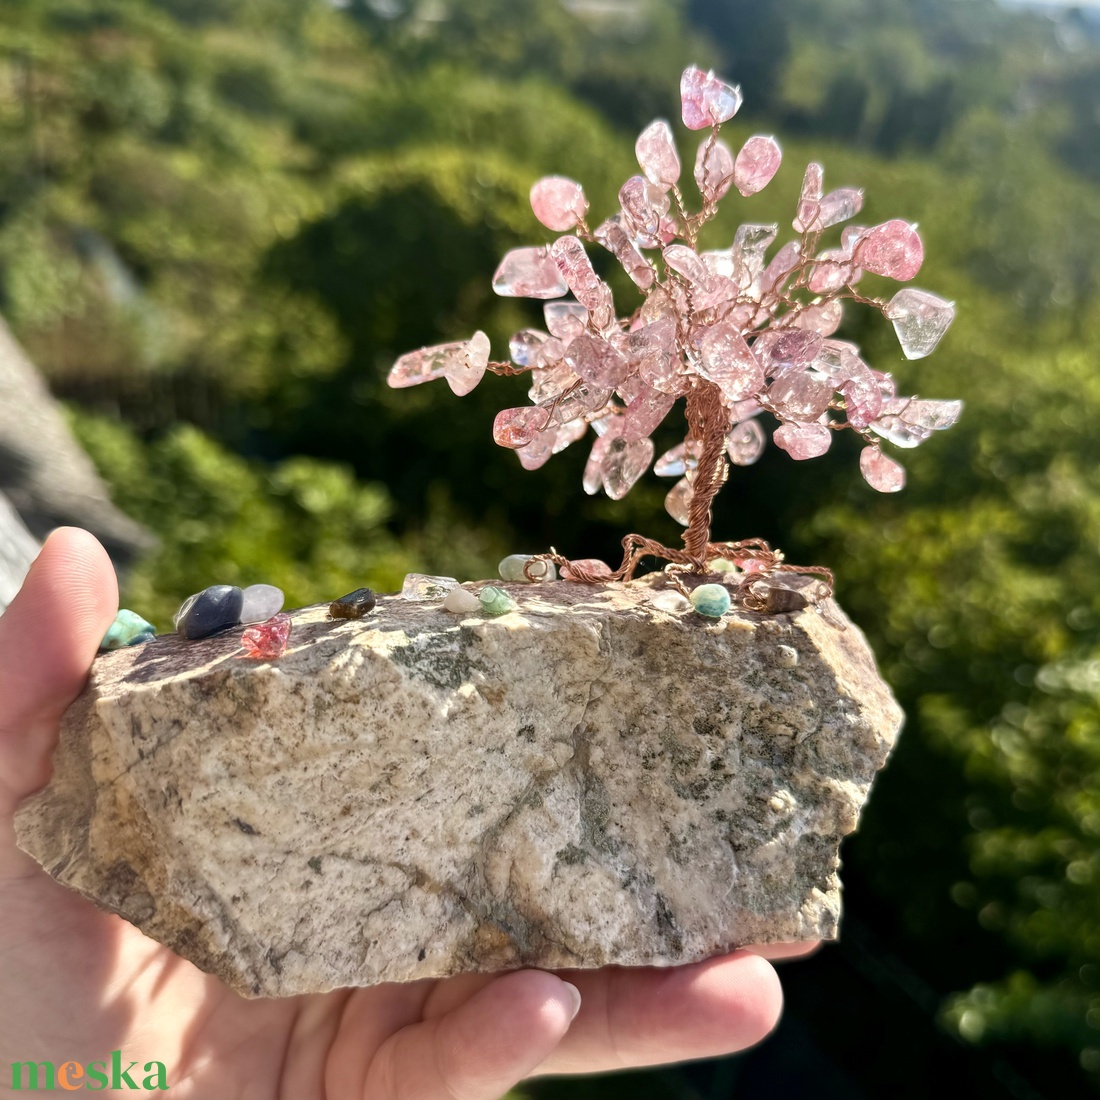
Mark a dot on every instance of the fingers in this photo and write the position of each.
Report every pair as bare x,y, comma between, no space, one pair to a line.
646,1016
779,951
48,637
479,1049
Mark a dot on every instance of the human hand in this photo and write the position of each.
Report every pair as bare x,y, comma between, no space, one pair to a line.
77,983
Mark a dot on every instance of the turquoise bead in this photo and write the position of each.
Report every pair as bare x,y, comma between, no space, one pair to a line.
495,601
128,629
712,600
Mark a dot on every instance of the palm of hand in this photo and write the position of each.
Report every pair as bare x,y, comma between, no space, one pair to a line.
77,983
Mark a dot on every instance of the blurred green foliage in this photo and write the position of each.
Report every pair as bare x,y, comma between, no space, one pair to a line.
221,220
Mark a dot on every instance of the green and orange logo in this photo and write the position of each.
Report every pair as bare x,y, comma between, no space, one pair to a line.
94,1076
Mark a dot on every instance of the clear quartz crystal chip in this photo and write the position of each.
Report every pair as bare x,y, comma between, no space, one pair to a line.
745,443
528,273
261,601
524,346
565,320
426,364
833,269
750,243
705,100
657,156
421,586
464,371
643,204
685,261
803,441
713,170
880,471
892,249
537,453
756,164
596,361
678,501
623,463
727,361
797,395
619,243
840,205
908,423
920,319
808,218
680,460
558,202
576,269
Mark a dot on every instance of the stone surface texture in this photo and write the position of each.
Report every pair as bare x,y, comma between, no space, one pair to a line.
588,780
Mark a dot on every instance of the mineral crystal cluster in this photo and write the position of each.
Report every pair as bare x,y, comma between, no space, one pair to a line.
740,335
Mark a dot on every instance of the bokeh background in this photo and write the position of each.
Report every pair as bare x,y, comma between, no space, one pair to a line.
221,220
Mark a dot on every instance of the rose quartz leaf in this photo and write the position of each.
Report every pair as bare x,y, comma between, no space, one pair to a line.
823,317
880,471
678,501
686,262
920,320
713,170
597,361
565,319
726,360
537,453
832,270
795,347
892,249
524,346
618,242
680,460
576,269
756,164
657,156
802,441
646,412
558,202
625,462
745,443
808,218
528,273
466,370
840,205
643,205
706,100
517,427
425,364
795,395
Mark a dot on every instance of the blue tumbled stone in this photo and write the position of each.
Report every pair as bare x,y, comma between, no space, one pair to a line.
210,611
711,600
129,628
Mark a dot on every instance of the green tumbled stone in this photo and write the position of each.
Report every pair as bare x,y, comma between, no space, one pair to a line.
495,601
712,600
511,569
128,628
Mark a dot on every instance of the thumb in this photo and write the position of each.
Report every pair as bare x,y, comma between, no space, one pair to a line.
48,637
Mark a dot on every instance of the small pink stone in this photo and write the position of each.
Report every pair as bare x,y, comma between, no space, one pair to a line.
863,397
795,395
802,441
678,501
644,204
465,371
745,443
558,202
840,205
726,360
516,428
528,273
657,156
537,453
596,361
880,471
686,262
783,264
268,640
618,242
569,433
823,318
646,412
892,249
524,347
592,566
832,270
584,398
565,320
756,164
808,219
425,364
713,170
706,100
680,460
576,269
624,463
795,347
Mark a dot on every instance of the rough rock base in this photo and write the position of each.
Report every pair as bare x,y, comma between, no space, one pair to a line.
586,781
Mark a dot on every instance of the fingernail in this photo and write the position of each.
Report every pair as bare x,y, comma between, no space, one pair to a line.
575,995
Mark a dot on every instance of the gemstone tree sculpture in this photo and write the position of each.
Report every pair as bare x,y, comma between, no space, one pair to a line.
740,337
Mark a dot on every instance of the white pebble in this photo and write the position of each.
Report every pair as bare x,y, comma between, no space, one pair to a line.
461,602
786,655
261,601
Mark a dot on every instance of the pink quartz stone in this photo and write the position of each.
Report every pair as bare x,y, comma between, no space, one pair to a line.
862,397
426,364
565,319
909,422
550,382
822,317
706,100
833,269
656,151
582,398
558,202
920,320
537,453
592,566
840,205
528,273
596,361
713,170
569,433
750,243
646,412
643,205
652,351
465,371
796,395
892,249
524,346
803,441
880,471
686,262
808,219
623,463
850,235
794,347
618,242
517,427
726,360
667,231
680,460
745,443
678,501
576,268
266,641
782,265
549,353
592,478
756,164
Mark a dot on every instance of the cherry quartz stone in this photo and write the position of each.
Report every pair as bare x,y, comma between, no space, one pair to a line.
210,611
354,605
